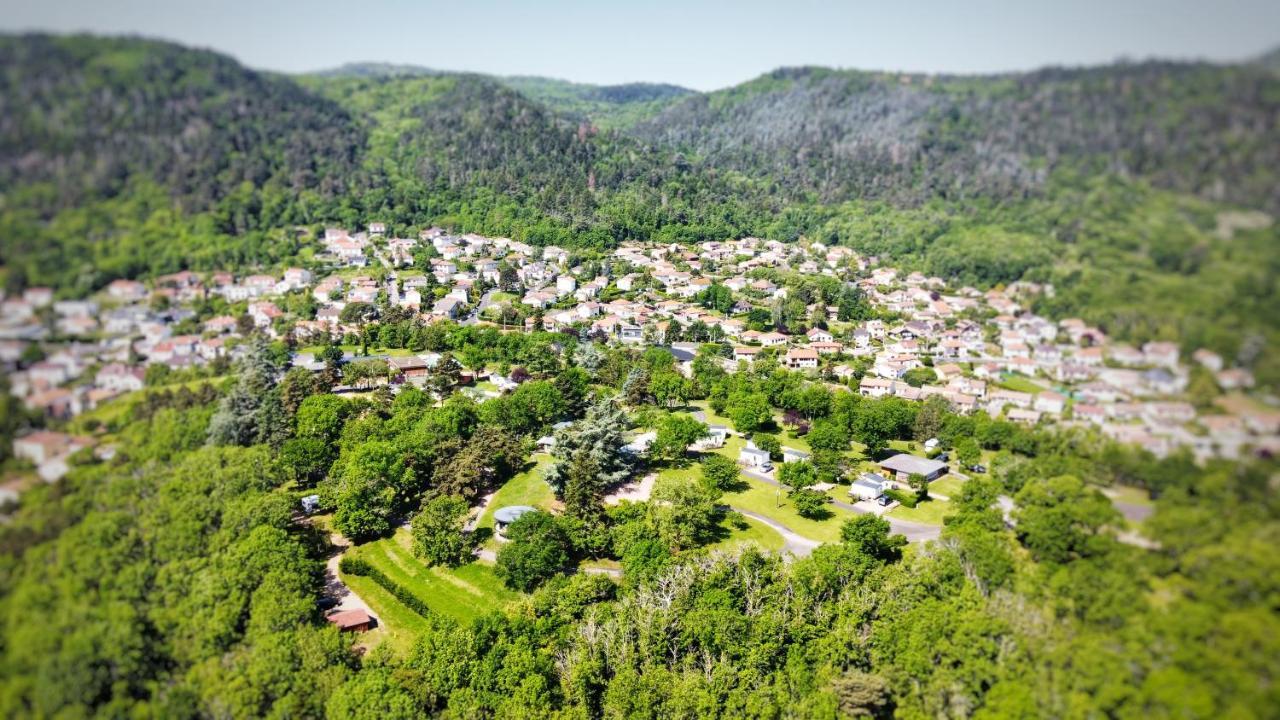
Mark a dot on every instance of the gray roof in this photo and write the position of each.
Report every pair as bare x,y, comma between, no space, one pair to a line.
912,464
511,513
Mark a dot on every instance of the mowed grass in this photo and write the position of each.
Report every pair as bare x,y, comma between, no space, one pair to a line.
1021,383
462,593
764,499
756,533
398,626
929,512
948,485
525,488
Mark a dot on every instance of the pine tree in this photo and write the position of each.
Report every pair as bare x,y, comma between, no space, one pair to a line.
589,458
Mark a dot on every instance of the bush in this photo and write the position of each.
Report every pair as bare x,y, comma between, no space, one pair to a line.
810,504
905,498
361,568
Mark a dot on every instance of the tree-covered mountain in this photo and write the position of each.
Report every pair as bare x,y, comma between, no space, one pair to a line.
1204,129
81,116
123,157
606,106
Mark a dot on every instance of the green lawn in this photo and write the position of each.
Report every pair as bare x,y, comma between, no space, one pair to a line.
526,488
764,499
756,532
929,512
397,625
460,593
948,485
1021,383
712,417
1133,495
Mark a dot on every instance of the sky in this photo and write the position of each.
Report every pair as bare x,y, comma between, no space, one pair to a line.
699,44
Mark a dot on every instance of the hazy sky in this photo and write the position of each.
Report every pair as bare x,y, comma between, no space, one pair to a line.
703,45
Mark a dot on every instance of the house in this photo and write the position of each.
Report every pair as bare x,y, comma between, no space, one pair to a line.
793,455
44,445
868,486
819,335
409,366
902,466
357,620
753,457
448,307
802,359
715,437
744,352
1050,402
773,339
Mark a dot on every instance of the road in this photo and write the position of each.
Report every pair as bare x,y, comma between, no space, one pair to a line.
485,301
792,542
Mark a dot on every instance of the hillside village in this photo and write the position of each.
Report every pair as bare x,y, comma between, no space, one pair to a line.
891,333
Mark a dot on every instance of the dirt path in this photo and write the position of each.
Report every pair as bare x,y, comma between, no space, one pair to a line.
633,491
333,585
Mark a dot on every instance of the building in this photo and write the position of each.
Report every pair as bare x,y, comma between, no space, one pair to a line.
754,457
802,359
868,486
357,620
504,516
793,455
903,466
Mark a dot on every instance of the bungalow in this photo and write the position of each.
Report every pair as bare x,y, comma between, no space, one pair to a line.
410,366
745,352
1028,417
715,437
903,466
754,457
875,387
357,620
772,339
793,455
868,486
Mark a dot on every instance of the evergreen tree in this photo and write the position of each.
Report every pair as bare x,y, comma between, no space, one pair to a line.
590,458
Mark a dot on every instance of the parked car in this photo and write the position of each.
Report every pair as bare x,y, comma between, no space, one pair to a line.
977,469
943,457
884,500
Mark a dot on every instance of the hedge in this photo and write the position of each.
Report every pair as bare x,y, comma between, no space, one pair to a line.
906,499
362,568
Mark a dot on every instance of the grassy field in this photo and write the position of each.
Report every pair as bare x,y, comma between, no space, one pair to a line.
1021,383
763,499
756,532
948,485
526,488
929,512
712,417
398,626
460,593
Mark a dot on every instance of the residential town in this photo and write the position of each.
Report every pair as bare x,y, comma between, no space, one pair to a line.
914,337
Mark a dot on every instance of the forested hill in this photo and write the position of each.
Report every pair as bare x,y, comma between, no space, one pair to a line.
80,116
1204,129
